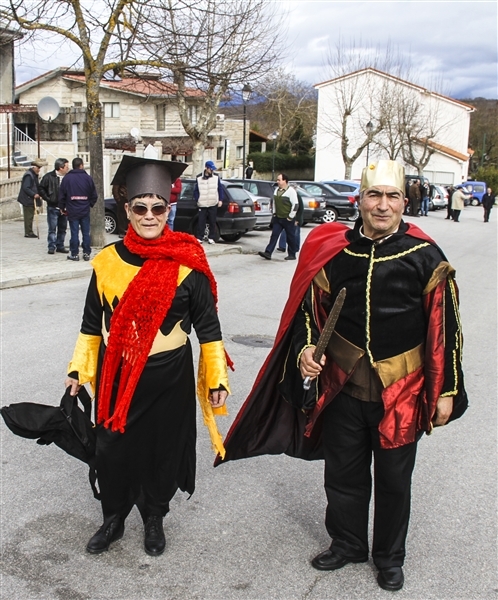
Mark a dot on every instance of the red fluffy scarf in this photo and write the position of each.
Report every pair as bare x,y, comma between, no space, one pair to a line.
140,313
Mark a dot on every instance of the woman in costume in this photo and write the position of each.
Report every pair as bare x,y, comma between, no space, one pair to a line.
146,293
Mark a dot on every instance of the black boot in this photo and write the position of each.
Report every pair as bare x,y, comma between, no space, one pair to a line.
154,540
108,533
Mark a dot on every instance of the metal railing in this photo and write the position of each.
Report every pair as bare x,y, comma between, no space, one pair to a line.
29,147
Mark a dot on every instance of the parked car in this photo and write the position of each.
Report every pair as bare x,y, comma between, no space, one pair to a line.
111,217
476,189
351,188
338,206
262,210
259,187
439,198
314,208
234,218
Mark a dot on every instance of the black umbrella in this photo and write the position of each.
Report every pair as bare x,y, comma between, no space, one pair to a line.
67,426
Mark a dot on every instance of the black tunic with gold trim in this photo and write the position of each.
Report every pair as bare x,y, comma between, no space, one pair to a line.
155,455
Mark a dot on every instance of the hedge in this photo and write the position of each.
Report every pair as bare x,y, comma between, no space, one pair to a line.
263,161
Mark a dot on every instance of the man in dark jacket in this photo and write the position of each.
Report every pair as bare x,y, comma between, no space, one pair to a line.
29,195
487,203
77,195
57,222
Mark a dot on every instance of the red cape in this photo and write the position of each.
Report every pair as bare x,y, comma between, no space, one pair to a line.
266,423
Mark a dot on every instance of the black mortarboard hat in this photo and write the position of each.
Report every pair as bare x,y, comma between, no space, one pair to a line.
147,176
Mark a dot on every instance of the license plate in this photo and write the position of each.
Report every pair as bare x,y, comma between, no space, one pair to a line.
246,209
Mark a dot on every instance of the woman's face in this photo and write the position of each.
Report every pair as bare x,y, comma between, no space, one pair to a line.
148,225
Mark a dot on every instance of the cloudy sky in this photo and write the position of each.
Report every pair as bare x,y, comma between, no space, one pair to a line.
453,42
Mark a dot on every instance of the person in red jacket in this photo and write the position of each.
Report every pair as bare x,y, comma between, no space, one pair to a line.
176,189
391,372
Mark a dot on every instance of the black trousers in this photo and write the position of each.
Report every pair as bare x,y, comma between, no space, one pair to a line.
350,436
289,227
207,214
456,215
487,212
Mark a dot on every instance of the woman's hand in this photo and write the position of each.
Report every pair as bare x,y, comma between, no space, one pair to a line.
444,408
74,384
307,366
217,398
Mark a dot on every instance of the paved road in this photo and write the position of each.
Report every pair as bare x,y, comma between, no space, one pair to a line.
251,527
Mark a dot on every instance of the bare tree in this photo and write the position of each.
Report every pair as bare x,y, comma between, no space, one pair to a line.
215,46
364,106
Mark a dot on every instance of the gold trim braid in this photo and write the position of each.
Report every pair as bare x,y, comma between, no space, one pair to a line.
212,374
85,358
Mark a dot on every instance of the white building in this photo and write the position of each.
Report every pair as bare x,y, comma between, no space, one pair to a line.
367,92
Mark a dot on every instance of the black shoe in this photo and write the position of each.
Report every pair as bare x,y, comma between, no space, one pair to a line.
62,250
104,537
391,579
290,258
330,561
266,255
31,235
154,540
71,257
86,257
280,249
51,251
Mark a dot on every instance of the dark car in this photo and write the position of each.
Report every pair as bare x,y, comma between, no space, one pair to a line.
111,217
258,187
235,217
314,208
338,206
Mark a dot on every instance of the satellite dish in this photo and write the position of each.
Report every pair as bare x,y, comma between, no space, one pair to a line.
48,108
134,131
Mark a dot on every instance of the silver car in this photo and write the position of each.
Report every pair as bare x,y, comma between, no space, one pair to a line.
439,198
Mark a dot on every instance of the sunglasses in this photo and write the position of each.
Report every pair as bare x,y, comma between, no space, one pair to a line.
157,210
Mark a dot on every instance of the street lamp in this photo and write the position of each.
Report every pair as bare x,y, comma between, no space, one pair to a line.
369,128
246,94
273,136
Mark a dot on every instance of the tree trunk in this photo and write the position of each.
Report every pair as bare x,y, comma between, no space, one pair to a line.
197,157
94,124
348,167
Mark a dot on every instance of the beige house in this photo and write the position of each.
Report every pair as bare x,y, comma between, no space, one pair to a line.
370,93
138,109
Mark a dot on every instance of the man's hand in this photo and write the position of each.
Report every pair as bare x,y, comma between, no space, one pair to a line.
307,366
217,398
444,408
74,384
220,203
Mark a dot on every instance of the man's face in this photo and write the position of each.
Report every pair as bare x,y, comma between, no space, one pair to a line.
282,184
489,191
36,169
63,170
209,171
381,208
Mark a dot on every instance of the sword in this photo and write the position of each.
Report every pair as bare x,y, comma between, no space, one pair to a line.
327,332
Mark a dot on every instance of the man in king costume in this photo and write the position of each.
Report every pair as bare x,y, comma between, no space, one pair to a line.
391,371
146,293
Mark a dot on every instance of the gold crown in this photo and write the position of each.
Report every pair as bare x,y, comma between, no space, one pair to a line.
383,172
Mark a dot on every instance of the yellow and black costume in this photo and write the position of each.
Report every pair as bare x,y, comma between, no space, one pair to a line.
146,462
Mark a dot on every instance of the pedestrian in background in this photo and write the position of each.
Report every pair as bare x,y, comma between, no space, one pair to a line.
457,203
487,203
77,195
415,197
56,220
209,194
285,205
176,190
298,223
249,170
424,199
29,196
449,212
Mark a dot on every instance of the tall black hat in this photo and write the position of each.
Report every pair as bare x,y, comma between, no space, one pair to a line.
147,176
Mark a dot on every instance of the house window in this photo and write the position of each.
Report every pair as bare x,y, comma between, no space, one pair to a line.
111,110
192,114
188,158
161,117
76,104
239,152
219,153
